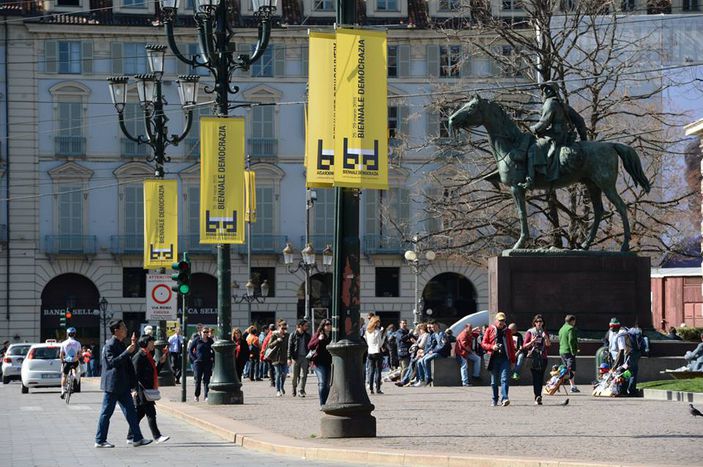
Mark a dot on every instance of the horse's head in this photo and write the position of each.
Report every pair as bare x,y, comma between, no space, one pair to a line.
469,115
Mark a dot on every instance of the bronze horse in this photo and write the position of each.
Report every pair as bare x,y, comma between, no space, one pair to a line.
593,163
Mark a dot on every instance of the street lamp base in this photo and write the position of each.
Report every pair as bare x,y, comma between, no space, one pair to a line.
225,397
348,408
225,387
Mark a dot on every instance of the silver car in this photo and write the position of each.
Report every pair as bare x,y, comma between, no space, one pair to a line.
12,362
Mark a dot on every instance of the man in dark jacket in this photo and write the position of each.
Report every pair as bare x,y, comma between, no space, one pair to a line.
404,340
202,357
117,381
297,351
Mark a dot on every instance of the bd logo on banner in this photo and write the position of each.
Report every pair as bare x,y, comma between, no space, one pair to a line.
160,223
221,180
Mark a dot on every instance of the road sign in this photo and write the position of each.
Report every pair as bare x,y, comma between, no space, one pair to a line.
161,301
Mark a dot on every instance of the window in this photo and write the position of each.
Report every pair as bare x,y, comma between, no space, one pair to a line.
69,57
133,282
70,218
691,5
193,219
371,212
449,58
399,204
512,5
392,121
386,5
74,3
259,275
129,58
263,67
69,139
324,212
392,61
449,5
134,121
134,211
134,3
264,214
263,132
192,141
388,282
192,51
323,5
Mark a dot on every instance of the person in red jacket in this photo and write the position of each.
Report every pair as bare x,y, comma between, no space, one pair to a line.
264,362
465,354
498,342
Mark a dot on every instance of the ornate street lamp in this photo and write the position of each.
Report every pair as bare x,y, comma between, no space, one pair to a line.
214,19
418,261
250,294
308,264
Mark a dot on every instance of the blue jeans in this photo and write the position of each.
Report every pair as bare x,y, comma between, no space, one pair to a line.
280,370
130,413
262,370
464,367
374,365
426,365
520,360
500,372
323,382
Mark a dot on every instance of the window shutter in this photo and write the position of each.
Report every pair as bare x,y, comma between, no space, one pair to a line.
50,56
432,60
403,58
117,57
403,124
279,60
432,124
371,210
466,63
304,60
87,57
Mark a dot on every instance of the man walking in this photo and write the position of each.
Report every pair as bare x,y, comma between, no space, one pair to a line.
465,354
569,347
404,340
498,342
202,357
117,381
297,351
175,347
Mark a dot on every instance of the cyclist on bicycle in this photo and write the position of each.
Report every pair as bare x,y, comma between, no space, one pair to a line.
70,356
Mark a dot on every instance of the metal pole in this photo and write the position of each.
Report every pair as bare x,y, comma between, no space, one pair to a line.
184,350
308,204
248,321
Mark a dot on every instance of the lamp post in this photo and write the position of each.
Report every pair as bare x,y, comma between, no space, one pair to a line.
307,263
213,20
152,102
418,261
105,317
250,296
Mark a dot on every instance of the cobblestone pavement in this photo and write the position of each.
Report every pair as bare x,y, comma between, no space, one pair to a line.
460,421
39,429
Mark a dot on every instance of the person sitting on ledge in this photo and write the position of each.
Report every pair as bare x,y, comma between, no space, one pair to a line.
695,357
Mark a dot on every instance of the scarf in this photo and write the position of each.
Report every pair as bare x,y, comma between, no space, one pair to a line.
151,361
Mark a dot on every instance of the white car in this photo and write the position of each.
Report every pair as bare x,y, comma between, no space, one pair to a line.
12,362
42,368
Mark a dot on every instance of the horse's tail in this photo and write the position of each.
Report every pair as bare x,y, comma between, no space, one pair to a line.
632,164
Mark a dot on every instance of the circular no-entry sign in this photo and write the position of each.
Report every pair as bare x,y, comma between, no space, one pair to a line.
161,294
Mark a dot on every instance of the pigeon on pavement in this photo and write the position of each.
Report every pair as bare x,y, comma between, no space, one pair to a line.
694,411
566,402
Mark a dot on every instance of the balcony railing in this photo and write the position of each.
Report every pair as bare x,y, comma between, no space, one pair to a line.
127,244
133,149
69,146
383,245
319,242
191,244
263,147
70,244
264,244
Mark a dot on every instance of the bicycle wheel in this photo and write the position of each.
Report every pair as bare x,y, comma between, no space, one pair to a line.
69,388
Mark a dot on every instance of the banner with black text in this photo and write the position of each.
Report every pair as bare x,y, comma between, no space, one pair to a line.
160,223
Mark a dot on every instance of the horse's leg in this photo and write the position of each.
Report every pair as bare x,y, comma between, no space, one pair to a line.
595,194
612,194
519,197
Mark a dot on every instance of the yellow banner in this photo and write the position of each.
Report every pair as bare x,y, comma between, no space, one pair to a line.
250,196
221,180
160,223
319,140
361,110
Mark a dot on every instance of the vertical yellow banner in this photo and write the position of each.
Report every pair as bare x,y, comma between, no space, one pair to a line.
319,140
361,110
221,180
160,223
250,196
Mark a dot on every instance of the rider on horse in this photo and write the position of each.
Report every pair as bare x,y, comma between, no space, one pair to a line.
554,130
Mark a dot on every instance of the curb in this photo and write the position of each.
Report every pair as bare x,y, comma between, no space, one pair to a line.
678,396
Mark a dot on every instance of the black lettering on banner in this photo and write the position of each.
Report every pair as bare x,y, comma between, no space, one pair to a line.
349,160
215,224
324,161
160,253
371,160
230,224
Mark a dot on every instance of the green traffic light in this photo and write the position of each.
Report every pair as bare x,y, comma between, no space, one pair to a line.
184,289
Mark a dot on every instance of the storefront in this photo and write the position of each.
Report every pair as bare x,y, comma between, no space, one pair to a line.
81,296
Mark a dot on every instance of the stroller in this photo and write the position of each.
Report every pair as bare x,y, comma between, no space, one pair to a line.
559,375
613,383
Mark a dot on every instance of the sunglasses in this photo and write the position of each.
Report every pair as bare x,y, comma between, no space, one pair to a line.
539,321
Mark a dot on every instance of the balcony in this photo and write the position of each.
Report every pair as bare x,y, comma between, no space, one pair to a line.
133,149
69,244
383,245
69,146
319,242
264,244
263,147
127,244
191,244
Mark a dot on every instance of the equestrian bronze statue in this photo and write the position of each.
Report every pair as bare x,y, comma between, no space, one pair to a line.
552,158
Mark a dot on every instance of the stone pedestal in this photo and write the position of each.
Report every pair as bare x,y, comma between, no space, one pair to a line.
594,286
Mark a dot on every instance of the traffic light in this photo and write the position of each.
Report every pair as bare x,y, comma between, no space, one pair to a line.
63,320
182,278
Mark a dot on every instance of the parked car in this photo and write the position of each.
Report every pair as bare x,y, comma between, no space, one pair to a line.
12,362
42,368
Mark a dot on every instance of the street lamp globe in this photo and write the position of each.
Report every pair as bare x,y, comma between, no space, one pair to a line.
428,312
188,89
430,255
155,56
327,256
410,256
308,255
206,5
146,88
250,288
169,5
264,5
265,288
288,254
118,91
103,304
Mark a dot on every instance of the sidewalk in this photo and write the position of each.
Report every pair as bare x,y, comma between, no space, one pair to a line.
457,426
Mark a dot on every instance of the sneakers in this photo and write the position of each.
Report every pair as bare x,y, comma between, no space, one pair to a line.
162,439
205,398
370,390
63,394
575,389
378,391
399,384
538,400
104,444
196,399
278,394
494,404
505,403
130,441
141,442
466,385
302,394
516,375
417,384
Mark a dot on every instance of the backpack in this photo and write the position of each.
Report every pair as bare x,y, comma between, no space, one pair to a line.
636,338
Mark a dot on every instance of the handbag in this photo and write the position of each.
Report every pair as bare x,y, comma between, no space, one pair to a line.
311,354
268,353
151,395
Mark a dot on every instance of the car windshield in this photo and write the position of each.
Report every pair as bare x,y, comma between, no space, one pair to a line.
46,353
19,350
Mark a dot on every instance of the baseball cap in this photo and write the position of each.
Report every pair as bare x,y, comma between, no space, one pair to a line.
500,316
614,322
